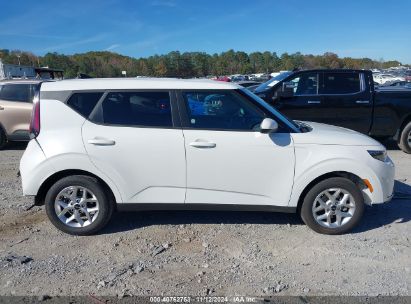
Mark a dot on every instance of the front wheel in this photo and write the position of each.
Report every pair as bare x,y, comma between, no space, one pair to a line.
78,205
405,138
333,206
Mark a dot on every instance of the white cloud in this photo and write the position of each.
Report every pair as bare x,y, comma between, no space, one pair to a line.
66,45
112,47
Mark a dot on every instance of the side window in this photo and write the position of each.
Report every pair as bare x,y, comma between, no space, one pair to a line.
84,103
221,110
15,92
305,84
150,109
341,83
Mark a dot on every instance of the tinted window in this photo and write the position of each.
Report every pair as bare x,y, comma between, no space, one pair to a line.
137,108
16,92
341,83
84,103
221,110
304,84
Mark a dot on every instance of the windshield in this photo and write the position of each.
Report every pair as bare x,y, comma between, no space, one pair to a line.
273,81
293,125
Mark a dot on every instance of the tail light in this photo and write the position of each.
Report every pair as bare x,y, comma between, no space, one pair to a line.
35,116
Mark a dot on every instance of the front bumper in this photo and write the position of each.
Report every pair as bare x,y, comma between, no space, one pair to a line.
382,182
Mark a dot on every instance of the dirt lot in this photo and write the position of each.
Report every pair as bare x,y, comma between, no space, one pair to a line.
200,253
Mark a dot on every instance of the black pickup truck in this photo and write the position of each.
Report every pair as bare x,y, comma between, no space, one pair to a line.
345,98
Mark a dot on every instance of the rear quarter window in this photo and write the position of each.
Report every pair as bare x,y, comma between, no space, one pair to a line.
16,92
84,103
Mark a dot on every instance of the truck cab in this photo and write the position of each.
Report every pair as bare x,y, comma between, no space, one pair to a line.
336,97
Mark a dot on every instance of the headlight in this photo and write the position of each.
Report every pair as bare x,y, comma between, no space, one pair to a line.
379,154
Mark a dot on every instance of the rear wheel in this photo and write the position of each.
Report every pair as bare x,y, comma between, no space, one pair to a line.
333,206
405,138
3,139
78,205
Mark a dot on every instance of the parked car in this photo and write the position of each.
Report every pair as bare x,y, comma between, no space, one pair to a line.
224,78
246,84
406,84
345,98
101,145
16,97
238,78
407,75
387,78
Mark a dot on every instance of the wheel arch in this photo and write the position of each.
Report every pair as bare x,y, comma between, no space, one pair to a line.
351,176
404,122
4,131
45,186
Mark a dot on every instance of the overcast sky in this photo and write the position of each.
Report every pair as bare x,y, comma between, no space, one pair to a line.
357,28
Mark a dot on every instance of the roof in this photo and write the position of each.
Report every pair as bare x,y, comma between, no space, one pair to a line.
22,81
334,70
136,83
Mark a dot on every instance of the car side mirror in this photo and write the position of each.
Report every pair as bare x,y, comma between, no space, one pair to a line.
268,126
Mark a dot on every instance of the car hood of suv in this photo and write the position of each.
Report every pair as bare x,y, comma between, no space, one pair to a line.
322,134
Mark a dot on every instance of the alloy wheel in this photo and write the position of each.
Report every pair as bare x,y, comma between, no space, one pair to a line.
76,206
333,208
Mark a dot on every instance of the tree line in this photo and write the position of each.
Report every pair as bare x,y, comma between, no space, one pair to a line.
187,64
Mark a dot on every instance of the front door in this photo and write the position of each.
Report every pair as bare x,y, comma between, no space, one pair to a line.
228,160
306,104
133,140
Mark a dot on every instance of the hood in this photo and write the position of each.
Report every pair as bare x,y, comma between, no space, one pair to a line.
322,134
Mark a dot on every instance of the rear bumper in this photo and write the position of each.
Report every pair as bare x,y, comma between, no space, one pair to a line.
32,168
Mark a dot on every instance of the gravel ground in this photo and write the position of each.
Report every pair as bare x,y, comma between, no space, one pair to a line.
203,253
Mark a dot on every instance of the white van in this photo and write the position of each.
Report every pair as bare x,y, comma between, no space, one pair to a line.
100,145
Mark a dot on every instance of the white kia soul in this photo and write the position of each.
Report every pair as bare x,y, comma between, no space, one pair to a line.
100,145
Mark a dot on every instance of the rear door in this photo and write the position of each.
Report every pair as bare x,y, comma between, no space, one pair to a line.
346,97
133,138
15,109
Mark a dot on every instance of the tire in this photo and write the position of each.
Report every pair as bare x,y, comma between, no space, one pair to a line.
66,198
405,138
354,206
3,138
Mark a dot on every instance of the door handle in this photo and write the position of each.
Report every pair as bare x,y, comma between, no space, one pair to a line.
314,101
362,101
203,144
101,142
1,108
